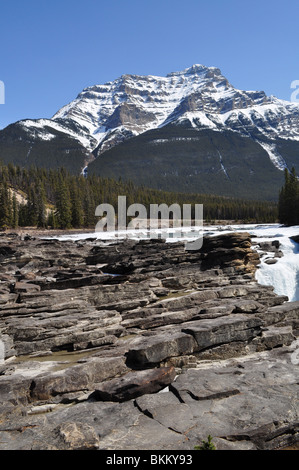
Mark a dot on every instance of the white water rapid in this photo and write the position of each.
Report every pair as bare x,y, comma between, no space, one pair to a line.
284,274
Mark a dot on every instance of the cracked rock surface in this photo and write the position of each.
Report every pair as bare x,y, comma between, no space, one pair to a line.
143,345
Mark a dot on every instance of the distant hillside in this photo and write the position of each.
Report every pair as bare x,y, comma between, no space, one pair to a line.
58,199
189,160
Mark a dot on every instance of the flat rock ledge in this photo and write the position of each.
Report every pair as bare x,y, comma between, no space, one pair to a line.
143,345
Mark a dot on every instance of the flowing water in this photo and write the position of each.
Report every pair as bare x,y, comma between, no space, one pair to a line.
283,275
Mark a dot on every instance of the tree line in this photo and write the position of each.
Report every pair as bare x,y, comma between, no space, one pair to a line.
54,198
288,202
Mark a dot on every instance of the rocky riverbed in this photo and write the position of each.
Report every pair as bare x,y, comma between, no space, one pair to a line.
138,345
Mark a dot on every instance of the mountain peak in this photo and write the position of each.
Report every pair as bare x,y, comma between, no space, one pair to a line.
190,130
195,69
198,98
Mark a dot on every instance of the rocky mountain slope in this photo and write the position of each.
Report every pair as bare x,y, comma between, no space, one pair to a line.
191,129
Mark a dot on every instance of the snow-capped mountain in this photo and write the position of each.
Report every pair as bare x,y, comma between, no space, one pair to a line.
198,98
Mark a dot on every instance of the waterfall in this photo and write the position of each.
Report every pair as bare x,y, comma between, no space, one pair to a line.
284,274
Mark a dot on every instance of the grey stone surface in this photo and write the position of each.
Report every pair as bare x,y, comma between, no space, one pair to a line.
143,345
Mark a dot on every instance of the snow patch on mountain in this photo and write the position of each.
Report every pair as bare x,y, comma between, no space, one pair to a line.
45,129
221,164
274,155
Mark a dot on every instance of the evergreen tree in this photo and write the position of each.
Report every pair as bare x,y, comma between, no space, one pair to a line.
32,208
89,206
63,205
5,206
22,213
51,221
15,212
41,206
77,207
288,203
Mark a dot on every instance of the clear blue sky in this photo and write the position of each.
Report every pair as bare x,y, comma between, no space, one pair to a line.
51,50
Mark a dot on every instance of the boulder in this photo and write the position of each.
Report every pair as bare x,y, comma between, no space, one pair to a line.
134,384
210,333
80,377
155,349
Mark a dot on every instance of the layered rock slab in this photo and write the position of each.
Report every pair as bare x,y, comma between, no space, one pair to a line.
92,332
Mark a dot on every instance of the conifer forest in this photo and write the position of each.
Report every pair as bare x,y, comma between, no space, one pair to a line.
56,199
